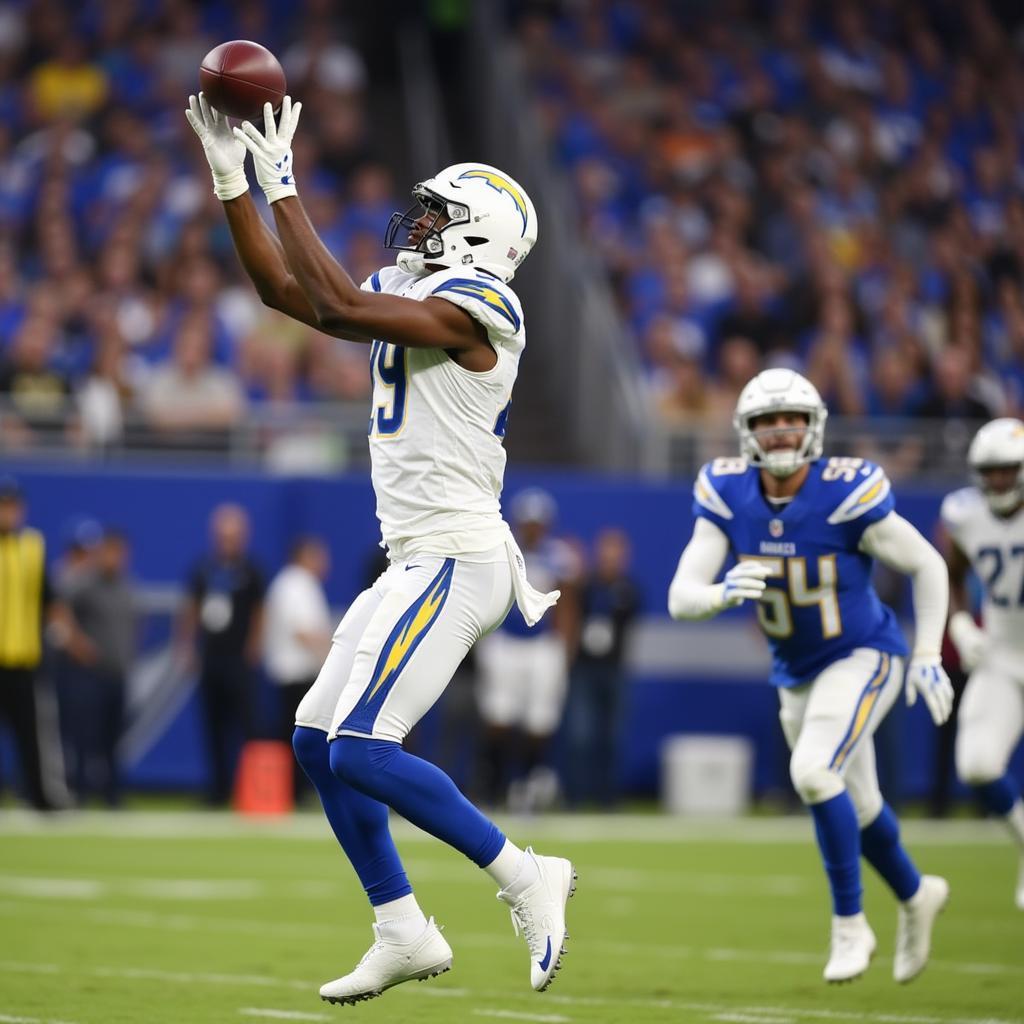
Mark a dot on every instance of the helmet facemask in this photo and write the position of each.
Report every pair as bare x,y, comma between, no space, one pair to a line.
491,224
414,258
783,462
1005,501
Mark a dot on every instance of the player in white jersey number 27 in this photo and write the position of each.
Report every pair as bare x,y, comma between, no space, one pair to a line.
445,333
804,531
985,527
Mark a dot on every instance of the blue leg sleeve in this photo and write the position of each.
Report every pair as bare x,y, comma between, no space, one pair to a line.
835,823
880,844
1000,795
419,791
359,822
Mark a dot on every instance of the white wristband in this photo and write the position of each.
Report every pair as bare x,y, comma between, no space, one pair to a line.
276,192
963,630
230,185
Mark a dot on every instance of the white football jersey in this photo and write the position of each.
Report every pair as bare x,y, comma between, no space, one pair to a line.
995,547
436,429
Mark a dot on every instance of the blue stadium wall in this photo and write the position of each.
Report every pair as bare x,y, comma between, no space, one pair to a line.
165,513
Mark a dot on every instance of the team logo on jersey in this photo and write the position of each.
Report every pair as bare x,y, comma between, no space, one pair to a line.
484,293
776,527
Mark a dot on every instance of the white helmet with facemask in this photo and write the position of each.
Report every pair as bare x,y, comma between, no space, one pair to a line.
780,390
999,445
492,224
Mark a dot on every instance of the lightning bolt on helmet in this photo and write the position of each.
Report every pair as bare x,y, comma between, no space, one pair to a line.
492,224
998,445
780,390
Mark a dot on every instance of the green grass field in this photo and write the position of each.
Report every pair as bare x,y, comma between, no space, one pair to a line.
195,918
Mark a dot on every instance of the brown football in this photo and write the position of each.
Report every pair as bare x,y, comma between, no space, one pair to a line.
239,76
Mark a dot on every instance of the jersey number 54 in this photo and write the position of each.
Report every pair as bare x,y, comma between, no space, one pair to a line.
775,609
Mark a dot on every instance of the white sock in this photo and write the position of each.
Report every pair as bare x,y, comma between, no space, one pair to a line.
400,920
1015,822
512,869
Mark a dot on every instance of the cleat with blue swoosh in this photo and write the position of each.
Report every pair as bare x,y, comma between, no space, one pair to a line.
538,914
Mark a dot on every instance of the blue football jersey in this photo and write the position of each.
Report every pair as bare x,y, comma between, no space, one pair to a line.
820,603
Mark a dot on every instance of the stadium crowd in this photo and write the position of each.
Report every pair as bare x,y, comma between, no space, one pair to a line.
120,296
833,187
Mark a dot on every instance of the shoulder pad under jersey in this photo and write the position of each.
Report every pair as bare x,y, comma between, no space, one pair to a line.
860,486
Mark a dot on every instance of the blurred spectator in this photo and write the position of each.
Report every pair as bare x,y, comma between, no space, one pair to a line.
223,618
955,402
822,187
523,670
101,597
738,361
683,397
82,537
189,400
297,634
113,230
103,396
750,315
895,392
25,701
34,392
609,602
67,85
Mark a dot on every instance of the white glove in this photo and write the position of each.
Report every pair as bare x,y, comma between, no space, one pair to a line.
927,677
272,153
224,153
745,581
968,639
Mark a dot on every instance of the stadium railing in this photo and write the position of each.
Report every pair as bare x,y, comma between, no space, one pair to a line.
330,437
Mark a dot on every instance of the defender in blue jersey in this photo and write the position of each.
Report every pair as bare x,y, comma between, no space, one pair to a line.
804,531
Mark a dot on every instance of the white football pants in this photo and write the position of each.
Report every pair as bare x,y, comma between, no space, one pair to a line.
829,724
400,642
990,722
523,681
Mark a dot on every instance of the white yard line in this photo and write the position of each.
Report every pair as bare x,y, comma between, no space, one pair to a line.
496,939
751,1018
170,889
7,1019
271,1014
715,1011
544,1018
583,828
619,880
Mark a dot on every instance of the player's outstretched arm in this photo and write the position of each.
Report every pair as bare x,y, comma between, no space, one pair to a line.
340,306
967,636
693,593
898,544
260,252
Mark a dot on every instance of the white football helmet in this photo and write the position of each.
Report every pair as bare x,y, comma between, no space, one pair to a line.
780,390
492,223
997,445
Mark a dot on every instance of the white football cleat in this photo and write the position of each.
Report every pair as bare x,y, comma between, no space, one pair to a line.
853,946
915,920
1019,900
538,914
386,964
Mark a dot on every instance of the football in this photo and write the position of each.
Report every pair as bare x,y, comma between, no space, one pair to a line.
239,76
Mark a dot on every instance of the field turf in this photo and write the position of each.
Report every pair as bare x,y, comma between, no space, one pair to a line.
145,918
